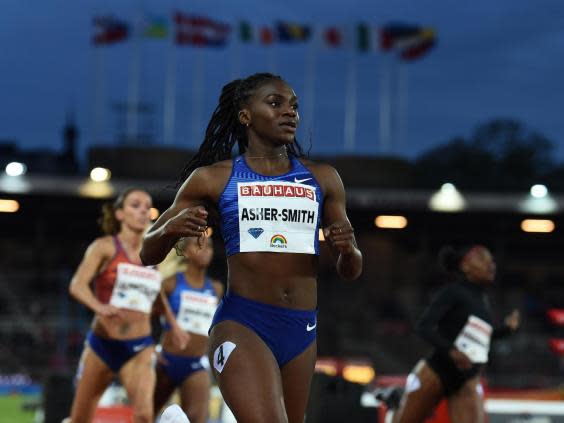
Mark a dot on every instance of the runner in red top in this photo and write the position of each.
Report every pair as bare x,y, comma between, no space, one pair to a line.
119,342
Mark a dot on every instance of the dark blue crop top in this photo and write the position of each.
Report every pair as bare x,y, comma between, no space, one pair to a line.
279,214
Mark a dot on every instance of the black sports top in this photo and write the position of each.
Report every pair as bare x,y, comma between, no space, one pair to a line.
459,316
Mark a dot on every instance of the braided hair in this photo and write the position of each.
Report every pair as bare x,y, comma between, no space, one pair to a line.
224,129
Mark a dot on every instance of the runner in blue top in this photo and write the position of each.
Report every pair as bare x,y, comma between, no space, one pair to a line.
269,203
189,299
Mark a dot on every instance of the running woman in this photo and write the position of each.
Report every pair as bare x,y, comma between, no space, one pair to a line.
270,203
458,323
190,299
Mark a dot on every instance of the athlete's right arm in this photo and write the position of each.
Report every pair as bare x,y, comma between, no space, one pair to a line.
179,337
79,287
185,217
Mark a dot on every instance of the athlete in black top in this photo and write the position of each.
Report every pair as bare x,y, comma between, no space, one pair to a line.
458,324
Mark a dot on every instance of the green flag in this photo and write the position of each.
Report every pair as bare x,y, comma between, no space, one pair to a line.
155,27
363,37
245,32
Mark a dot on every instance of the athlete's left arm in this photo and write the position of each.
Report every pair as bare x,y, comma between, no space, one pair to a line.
337,229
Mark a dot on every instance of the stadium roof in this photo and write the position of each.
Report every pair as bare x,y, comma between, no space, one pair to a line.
445,199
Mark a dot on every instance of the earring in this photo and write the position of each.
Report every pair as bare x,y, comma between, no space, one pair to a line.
247,125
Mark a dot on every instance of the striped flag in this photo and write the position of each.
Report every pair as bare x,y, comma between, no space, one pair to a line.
420,46
110,30
200,31
250,34
392,35
410,41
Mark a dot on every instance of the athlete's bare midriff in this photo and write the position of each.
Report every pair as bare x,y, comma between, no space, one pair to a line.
129,324
280,279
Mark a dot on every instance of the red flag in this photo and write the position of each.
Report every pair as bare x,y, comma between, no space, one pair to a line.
266,36
333,37
200,31
110,30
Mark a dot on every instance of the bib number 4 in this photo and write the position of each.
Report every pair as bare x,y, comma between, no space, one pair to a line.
221,355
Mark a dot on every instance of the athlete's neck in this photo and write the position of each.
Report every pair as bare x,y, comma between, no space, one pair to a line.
132,240
195,275
260,151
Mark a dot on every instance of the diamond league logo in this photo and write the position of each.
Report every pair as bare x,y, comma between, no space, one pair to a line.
255,232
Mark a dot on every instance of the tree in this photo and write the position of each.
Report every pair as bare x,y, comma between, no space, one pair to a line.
500,155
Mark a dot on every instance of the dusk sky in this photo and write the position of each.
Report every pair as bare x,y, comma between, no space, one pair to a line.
493,58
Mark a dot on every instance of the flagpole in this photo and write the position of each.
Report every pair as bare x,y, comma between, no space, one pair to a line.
385,104
99,93
197,95
133,88
309,85
350,104
169,109
236,58
402,107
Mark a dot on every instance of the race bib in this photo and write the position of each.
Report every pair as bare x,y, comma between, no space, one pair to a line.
196,312
474,339
136,287
277,216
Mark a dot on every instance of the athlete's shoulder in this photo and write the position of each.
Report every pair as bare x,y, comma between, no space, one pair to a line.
206,182
321,168
169,284
218,287
325,174
216,169
221,165
105,242
103,246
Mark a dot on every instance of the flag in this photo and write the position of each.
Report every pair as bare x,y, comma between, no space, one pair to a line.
109,30
200,31
363,37
266,35
250,34
393,34
344,37
245,32
412,42
333,37
155,27
425,42
289,32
